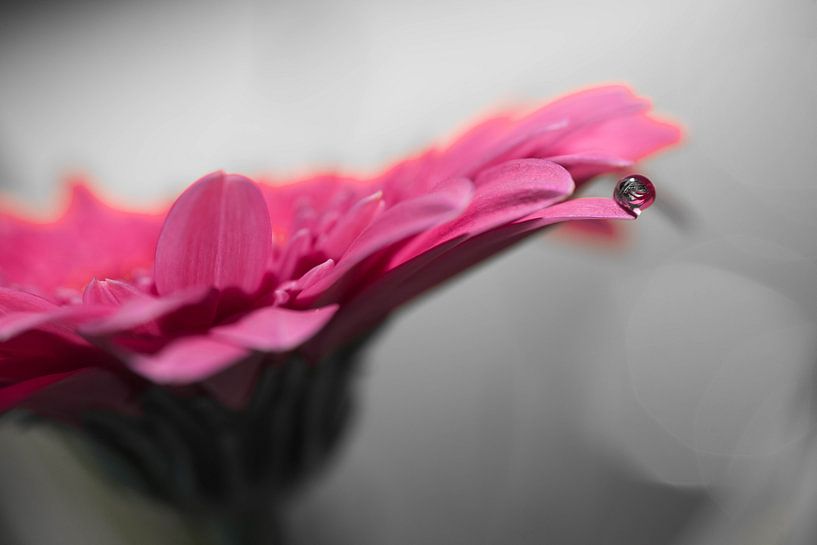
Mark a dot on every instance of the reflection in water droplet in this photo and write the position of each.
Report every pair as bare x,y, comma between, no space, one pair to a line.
634,193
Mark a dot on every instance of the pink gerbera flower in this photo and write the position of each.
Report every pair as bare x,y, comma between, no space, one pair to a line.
238,274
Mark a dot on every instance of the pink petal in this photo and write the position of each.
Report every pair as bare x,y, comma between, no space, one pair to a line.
12,300
297,247
351,224
321,192
62,319
90,238
477,249
602,159
187,360
578,112
517,143
36,352
109,292
577,209
585,165
217,234
143,309
630,137
538,133
504,194
409,178
314,275
21,312
424,271
410,217
459,157
402,221
275,329
284,292
15,323
38,337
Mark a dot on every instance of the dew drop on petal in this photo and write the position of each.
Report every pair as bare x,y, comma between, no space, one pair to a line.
634,193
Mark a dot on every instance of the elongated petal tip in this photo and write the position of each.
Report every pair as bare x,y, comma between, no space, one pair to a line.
216,234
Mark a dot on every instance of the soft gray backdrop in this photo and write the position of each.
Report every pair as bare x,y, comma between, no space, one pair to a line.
655,394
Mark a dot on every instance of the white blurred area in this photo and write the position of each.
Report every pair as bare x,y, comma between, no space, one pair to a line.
659,393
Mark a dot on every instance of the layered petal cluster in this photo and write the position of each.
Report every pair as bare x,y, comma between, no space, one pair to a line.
237,273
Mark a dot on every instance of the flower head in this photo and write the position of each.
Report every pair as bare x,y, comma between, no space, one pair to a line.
103,302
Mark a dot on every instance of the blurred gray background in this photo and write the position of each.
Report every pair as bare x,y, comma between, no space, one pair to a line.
659,393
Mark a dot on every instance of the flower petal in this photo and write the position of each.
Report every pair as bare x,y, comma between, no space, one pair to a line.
314,275
90,238
351,224
38,337
504,194
187,360
275,329
61,319
477,249
599,158
537,133
285,291
287,201
109,292
410,217
584,165
631,137
297,247
142,310
12,300
21,312
403,220
410,278
577,209
216,234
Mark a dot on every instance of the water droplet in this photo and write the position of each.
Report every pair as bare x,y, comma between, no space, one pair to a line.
634,193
